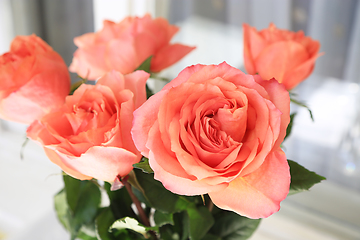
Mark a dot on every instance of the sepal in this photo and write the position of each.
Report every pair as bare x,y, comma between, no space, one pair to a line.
301,178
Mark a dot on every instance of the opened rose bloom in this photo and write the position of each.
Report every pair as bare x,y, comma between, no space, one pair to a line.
216,130
124,46
287,56
34,80
89,136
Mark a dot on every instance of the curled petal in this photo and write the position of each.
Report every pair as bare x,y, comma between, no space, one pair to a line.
169,55
258,194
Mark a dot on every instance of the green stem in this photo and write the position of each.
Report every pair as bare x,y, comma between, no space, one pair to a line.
210,205
137,203
142,214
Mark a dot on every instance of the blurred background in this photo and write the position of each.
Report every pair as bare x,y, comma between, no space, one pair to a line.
329,146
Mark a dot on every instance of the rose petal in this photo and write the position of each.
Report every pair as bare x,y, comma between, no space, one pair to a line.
89,62
144,118
278,95
136,83
257,195
279,58
253,45
171,174
36,98
55,158
301,72
103,163
169,55
127,61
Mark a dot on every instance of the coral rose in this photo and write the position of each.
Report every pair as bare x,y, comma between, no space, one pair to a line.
287,56
34,80
89,137
124,46
216,130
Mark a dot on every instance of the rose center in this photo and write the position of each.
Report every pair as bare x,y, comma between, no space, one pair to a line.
89,115
217,125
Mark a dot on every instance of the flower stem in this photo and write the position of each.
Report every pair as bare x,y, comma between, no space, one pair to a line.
210,205
142,214
137,203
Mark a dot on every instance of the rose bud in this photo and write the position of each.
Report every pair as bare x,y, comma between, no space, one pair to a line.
287,56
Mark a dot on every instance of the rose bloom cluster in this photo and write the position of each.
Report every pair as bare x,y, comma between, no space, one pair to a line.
212,130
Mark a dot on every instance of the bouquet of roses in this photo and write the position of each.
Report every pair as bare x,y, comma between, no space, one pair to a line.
200,159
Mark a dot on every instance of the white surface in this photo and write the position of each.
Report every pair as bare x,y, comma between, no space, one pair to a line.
116,10
334,105
215,43
6,26
327,212
27,188
330,144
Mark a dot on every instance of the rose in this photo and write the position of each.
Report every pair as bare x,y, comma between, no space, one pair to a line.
34,80
124,46
89,136
216,130
287,56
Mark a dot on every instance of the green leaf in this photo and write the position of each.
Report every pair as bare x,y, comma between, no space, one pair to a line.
157,77
72,222
185,224
81,203
301,104
149,92
291,123
83,197
210,236
72,186
167,233
157,196
301,178
103,223
132,224
144,165
162,218
177,231
84,236
231,226
192,221
200,221
76,85
145,66
62,209
120,202
87,232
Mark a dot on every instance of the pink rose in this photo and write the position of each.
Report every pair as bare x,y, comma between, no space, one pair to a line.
34,80
89,136
287,56
124,46
216,130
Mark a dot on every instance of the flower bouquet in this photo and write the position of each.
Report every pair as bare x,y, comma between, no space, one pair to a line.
199,159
